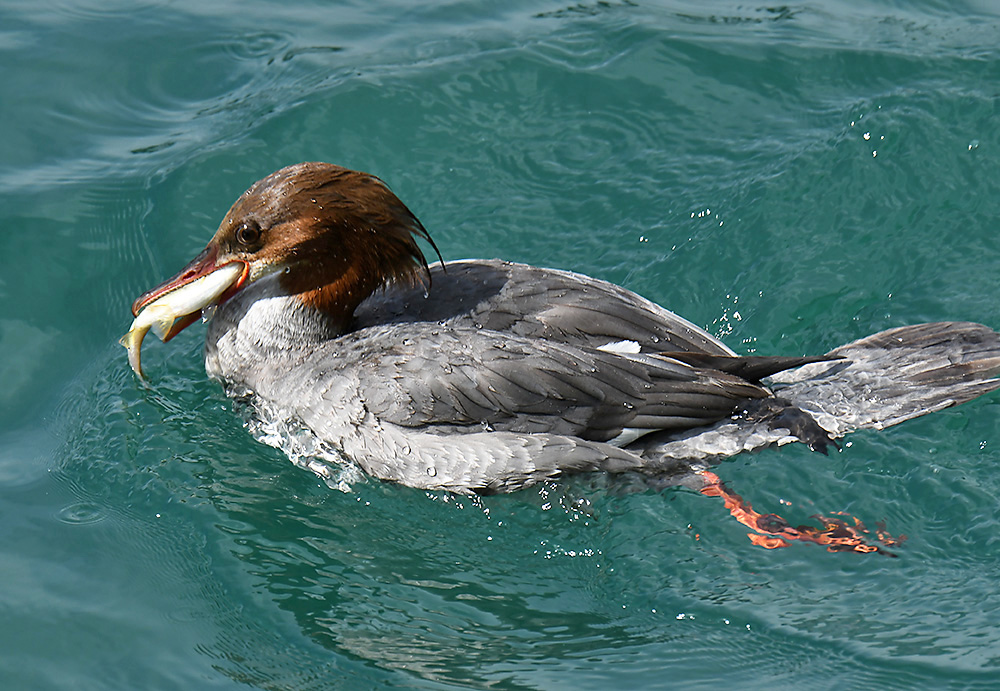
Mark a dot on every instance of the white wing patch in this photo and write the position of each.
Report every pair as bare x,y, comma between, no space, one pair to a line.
621,347
628,435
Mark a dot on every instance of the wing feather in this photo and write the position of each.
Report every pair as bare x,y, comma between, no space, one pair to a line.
507,383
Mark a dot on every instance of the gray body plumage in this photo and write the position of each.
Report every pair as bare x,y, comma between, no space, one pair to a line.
505,374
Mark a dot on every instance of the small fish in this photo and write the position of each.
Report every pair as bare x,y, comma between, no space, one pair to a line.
185,303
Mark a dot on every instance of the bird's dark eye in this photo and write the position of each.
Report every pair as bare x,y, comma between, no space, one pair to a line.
248,234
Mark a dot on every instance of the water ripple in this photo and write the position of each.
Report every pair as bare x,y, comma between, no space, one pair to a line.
81,513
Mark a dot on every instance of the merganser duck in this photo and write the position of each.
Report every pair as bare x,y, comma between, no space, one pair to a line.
488,376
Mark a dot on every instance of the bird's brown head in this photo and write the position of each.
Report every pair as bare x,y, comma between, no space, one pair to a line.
334,236
337,235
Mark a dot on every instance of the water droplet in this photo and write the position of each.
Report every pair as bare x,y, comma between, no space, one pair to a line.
432,471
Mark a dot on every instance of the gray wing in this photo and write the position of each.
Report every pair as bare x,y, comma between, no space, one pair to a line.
468,379
533,302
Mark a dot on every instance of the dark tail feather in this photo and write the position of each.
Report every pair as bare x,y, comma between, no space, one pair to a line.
753,368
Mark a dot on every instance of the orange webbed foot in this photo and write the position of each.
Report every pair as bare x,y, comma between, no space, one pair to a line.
772,531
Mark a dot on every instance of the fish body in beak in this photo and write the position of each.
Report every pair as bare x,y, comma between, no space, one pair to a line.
178,302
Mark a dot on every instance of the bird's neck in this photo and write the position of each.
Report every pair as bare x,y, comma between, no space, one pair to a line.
262,330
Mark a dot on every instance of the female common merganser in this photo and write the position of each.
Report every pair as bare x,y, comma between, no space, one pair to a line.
486,376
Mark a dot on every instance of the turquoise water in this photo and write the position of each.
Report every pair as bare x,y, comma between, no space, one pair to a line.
789,177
